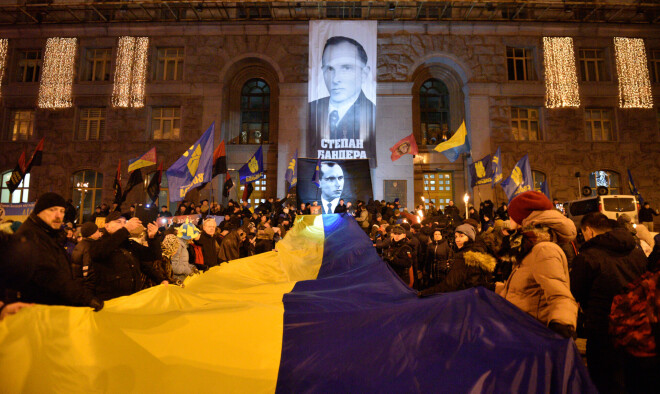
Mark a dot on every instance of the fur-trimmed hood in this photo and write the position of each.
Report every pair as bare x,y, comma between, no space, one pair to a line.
480,260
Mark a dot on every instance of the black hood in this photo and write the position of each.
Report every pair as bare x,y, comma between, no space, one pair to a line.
618,240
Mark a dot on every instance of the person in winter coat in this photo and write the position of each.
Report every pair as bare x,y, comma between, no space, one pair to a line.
399,255
210,247
81,261
646,216
472,266
539,280
120,262
230,247
608,261
438,259
36,264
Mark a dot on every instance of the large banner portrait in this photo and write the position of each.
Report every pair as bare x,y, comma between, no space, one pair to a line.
342,90
349,180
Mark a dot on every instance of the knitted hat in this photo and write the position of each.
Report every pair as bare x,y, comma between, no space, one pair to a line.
467,230
88,229
526,203
49,200
114,215
169,245
398,230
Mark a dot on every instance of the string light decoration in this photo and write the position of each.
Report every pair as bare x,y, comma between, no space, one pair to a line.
131,72
561,84
55,90
4,43
634,81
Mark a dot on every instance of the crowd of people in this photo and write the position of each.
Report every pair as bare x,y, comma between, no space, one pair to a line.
525,251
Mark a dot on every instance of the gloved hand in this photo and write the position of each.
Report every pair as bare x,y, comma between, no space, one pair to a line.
96,304
564,330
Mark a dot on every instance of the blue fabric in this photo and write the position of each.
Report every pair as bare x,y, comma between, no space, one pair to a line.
194,168
359,328
481,171
520,180
497,166
253,170
290,174
316,178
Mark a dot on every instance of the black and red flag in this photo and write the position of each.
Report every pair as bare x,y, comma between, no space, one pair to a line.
134,179
227,186
18,174
153,189
247,191
219,159
35,159
116,186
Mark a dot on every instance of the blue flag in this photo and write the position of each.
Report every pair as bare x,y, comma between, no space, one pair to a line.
497,166
253,170
291,175
194,168
633,189
481,171
316,179
457,144
545,189
520,180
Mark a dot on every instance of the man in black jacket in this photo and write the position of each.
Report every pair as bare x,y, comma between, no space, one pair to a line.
608,261
118,261
646,216
45,273
398,254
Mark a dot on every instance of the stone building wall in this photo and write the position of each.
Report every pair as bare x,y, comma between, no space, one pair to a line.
471,54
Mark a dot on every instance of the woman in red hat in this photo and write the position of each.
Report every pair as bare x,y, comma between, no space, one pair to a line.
539,282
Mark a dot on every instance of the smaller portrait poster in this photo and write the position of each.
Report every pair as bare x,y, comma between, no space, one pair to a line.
349,180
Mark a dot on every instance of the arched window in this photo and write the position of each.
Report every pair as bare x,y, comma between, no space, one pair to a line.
163,195
539,178
87,192
434,112
19,195
609,179
255,112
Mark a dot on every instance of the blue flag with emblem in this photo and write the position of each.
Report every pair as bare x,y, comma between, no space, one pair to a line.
497,166
481,171
316,178
520,180
633,189
291,175
253,170
194,168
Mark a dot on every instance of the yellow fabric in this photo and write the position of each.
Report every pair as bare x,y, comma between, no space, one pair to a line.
221,333
457,139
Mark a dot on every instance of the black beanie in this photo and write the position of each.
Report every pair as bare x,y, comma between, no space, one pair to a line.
49,200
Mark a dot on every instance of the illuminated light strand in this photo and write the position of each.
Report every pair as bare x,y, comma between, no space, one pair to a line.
139,72
634,81
4,43
55,90
561,84
122,85
131,72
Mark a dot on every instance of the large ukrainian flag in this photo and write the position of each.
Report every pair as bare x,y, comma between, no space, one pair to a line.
323,313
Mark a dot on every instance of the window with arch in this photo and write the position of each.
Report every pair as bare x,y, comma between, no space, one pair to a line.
19,195
539,178
255,112
434,112
163,195
87,192
609,179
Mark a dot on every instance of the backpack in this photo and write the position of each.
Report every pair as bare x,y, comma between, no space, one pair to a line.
634,316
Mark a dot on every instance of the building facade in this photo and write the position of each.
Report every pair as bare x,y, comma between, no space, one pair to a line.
250,78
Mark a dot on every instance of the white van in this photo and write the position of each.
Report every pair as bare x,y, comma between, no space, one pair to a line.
611,206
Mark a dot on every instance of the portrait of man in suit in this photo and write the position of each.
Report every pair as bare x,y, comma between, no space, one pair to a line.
331,183
342,125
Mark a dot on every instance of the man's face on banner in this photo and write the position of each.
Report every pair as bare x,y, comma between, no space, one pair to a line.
343,72
332,181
